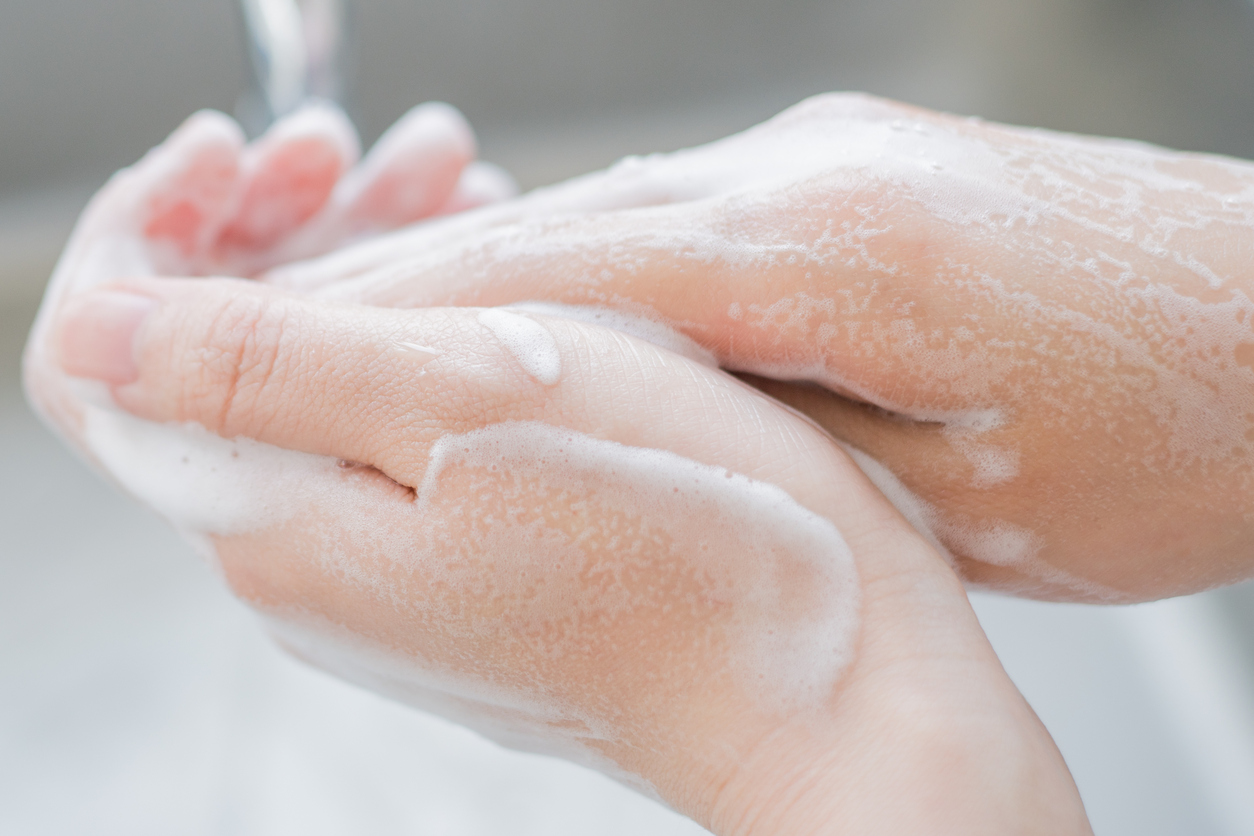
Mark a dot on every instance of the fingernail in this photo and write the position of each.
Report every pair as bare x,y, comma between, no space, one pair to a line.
97,335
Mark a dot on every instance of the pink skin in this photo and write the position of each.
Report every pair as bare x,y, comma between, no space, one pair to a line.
1047,338
544,607
206,203
923,732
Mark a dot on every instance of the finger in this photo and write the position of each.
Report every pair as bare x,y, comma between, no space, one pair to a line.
797,143
176,199
289,174
573,492
412,170
158,215
626,185
797,304
793,301
411,173
313,267
382,386
398,390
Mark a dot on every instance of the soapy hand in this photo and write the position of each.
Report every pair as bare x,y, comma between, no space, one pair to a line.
207,203
1044,343
575,542
572,540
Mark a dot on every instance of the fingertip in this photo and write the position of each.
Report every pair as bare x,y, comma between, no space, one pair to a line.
207,128
430,121
324,121
412,170
183,190
96,333
290,174
206,134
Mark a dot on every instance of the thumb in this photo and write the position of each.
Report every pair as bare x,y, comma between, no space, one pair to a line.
382,387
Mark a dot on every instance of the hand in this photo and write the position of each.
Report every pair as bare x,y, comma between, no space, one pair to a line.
1047,340
204,203
575,542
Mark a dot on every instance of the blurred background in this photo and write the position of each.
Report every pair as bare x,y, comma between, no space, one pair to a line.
137,698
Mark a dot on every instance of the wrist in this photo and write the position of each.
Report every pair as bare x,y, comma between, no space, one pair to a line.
899,764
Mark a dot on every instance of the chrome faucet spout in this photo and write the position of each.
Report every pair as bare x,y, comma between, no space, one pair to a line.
297,50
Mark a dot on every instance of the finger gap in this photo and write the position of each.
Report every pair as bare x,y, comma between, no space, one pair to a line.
372,473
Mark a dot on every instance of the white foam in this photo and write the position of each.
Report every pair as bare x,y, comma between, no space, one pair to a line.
1107,215
643,326
528,341
748,541
202,483
992,465
767,588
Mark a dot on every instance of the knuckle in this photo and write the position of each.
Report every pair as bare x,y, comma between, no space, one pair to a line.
242,363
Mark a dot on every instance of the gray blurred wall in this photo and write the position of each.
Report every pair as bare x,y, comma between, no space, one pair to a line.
87,85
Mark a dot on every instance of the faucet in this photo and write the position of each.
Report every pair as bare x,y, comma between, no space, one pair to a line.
297,50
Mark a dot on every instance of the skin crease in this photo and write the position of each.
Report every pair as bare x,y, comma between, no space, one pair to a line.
915,270
923,732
